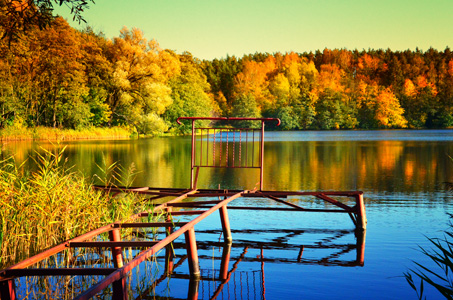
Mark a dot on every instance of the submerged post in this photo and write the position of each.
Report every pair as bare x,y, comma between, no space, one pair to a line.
169,263
117,253
192,255
225,224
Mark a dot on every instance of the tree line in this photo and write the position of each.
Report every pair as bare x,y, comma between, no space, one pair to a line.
67,78
338,89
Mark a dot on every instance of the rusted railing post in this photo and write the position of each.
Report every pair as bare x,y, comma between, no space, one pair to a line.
7,290
361,214
262,157
225,224
192,162
192,255
117,253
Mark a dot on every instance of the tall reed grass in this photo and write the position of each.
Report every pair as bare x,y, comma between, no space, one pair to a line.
439,274
45,207
17,133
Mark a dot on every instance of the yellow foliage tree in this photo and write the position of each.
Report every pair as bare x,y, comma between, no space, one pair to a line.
389,112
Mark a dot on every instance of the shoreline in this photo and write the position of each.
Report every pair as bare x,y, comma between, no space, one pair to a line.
123,133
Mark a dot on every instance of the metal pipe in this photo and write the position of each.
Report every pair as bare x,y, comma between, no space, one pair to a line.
121,272
117,253
229,119
262,158
192,255
225,224
361,213
192,162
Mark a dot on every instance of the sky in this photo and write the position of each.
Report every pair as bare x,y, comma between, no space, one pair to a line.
216,28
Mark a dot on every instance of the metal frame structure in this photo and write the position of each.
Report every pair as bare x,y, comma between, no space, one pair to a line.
229,152
200,209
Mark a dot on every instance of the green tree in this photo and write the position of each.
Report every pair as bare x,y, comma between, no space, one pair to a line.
190,93
245,106
141,70
60,74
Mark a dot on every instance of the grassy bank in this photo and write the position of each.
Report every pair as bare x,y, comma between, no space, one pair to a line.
53,204
19,133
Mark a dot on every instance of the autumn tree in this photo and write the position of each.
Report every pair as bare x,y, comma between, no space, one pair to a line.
138,85
379,107
190,92
253,80
59,74
19,17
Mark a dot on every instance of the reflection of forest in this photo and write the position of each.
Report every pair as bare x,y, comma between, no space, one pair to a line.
349,165
390,166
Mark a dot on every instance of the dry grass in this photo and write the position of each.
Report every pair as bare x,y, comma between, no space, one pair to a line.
18,133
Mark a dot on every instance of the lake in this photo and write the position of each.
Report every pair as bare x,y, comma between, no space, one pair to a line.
297,255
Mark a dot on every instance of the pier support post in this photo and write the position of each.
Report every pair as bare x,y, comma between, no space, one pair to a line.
117,253
192,255
169,255
225,224
361,214
7,290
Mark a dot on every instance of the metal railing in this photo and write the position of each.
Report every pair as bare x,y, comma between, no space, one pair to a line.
227,147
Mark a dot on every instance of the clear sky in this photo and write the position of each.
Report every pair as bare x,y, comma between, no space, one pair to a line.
215,28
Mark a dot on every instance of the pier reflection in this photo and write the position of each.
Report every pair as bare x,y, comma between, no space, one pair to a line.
237,270
234,270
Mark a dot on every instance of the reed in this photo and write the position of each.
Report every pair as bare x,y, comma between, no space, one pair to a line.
438,275
17,133
43,208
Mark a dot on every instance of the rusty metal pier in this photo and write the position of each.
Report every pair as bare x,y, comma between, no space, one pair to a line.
211,147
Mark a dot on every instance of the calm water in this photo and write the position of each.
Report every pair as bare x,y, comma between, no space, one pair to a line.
401,173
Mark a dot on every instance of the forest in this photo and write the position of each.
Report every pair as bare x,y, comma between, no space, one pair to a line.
66,78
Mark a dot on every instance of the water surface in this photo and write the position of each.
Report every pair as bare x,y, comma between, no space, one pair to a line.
401,172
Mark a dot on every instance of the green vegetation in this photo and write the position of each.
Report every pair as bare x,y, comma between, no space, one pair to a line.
20,132
63,78
54,204
440,276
